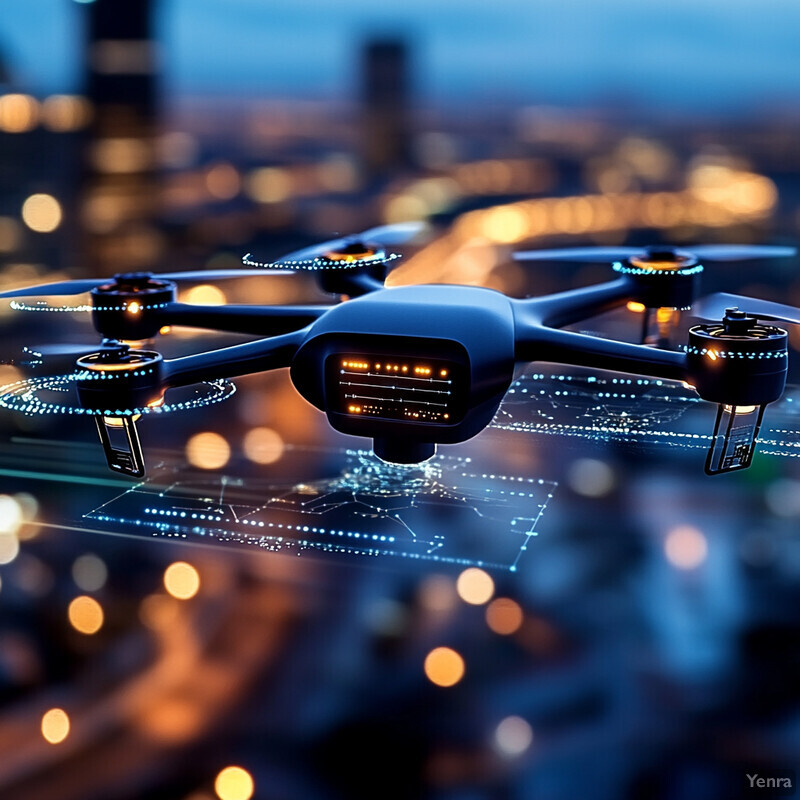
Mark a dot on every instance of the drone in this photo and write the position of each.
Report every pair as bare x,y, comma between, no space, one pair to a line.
412,367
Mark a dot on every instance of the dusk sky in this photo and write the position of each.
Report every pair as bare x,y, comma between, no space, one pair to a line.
683,55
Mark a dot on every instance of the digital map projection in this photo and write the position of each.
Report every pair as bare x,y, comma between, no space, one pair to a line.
644,411
444,510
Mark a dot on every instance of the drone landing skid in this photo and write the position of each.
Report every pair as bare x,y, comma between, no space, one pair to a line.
734,439
121,444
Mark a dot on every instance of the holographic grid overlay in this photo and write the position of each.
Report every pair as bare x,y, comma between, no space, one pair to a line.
446,510
58,395
609,407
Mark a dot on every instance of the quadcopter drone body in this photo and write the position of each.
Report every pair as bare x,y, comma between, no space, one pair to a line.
416,366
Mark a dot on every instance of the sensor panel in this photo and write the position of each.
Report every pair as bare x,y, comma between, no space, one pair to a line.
409,389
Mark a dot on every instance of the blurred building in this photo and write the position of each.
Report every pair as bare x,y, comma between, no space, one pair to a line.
385,98
121,197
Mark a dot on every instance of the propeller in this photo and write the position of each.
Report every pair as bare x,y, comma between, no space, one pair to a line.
58,358
65,288
705,252
359,244
715,305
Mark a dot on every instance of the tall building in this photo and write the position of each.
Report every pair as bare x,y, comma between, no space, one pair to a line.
386,127
121,199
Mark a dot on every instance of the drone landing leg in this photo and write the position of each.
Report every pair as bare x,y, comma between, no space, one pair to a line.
121,444
734,448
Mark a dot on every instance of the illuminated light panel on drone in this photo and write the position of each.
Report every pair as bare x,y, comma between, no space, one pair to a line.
401,389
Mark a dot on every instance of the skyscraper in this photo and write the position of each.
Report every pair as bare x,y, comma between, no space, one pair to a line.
385,102
121,198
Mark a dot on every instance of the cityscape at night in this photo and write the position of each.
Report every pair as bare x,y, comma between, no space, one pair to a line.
563,606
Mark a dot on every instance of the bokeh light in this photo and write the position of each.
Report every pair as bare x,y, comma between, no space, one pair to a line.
685,547
263,445
19,113
181,580
89,572
41,213
11,516
205,295
9,548
444,666
269,185
10,236
223,181
234,783
504,616
63,113
783,497
86,615
475,586
591,477
158,611
513,736
55,725
438,593
208,450
121,155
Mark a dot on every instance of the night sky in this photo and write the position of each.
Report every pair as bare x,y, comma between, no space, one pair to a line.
685,55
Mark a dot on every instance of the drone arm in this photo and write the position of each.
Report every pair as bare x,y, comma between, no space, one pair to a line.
564,308
257,320
229,362
567,347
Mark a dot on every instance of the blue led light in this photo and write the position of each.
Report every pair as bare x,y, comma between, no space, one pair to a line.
628,269
320,263
29,396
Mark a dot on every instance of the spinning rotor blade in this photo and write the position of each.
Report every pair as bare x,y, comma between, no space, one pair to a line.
740,252
714,306
62,288
397,233
384,235
51,358
219,274
704,252
580,254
